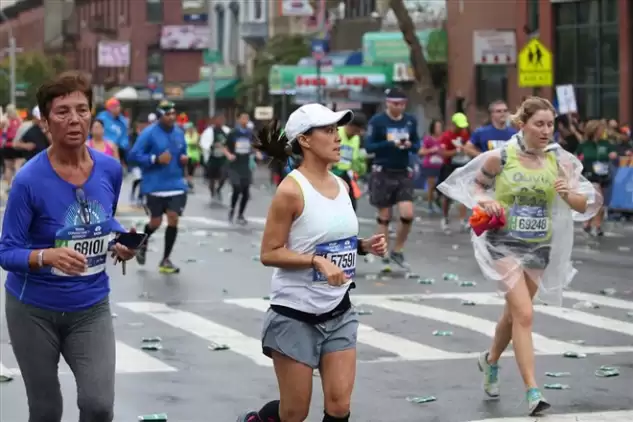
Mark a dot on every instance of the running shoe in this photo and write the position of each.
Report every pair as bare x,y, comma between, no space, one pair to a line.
231,214
141,255
249,417
167,267
242,221
444,225
398,258
491,375
536,401
386,265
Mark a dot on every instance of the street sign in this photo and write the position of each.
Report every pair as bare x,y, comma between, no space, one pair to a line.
535,65
212,57
319,49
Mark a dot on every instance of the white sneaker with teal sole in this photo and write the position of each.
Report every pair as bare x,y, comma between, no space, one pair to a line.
536,402
491,375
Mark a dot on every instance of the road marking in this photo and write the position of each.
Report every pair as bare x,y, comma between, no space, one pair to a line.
600,300
132,361
239,343
573,315
469,322
128,361
616,416
405,349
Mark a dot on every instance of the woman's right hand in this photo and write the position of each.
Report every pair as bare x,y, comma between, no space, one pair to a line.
491,206
334,275
66,260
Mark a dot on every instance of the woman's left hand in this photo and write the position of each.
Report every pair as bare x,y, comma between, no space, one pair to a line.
375,245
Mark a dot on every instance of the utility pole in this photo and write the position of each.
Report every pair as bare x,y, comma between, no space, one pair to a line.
319,57
212,48
12,51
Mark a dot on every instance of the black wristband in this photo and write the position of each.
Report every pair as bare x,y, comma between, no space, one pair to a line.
359,248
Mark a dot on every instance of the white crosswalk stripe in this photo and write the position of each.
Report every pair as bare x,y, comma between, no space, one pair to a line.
382,346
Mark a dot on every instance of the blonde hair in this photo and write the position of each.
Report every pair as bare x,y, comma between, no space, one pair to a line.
591,129
529,107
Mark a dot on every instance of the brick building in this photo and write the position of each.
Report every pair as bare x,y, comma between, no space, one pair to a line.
75,27
590,41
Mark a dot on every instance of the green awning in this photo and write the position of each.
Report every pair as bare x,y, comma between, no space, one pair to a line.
224,89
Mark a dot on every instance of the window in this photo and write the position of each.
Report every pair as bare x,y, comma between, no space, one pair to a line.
587,54
154,11
234,33
492,83
220,25
533,15
154,60
257,10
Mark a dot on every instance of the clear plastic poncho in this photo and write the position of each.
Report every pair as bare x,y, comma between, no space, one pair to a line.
503,256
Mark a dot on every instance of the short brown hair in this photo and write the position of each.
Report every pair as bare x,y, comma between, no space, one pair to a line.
61,85
529,107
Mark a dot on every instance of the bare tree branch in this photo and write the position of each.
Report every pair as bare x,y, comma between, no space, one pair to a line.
429,95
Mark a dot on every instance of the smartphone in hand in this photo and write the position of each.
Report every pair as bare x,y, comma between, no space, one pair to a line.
131,240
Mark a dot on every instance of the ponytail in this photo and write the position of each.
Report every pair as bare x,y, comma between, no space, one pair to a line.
272,141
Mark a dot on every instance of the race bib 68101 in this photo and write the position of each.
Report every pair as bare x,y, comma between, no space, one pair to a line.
89,240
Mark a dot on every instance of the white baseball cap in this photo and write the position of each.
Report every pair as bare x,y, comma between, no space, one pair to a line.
151,118
314,115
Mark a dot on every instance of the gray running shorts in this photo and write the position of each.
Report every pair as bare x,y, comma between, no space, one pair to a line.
306,343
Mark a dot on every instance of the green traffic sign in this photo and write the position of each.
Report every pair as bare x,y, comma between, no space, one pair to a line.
212,57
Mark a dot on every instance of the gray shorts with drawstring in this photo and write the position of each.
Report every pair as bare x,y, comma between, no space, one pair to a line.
307,343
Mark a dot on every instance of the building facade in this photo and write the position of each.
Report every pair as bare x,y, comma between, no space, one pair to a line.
590,40
166,38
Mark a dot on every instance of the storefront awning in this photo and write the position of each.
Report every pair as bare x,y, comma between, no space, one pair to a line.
390,47
336,58
224,89
302,80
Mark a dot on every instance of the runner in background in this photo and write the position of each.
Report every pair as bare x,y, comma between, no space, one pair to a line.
494,135
452,148
116,127
596,154
137,174
352,162
35,139
392,136
10,154
216,164
432,162
194,152
161,152
239,153
99,143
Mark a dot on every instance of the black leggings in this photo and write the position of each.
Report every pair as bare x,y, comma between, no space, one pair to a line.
242,190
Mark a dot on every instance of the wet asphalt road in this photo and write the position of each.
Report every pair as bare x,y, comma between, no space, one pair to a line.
218,298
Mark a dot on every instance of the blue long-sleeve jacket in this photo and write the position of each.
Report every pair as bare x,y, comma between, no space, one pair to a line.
150,144
116,129
381,130
40,208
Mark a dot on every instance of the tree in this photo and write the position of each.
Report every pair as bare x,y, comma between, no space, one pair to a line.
281,50
31,70
425,93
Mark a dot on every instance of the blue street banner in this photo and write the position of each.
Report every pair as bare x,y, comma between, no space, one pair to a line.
622,187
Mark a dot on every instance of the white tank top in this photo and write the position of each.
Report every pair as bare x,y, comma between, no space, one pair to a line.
327,227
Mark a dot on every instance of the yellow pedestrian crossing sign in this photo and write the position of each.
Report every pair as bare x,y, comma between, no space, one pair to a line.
535,65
